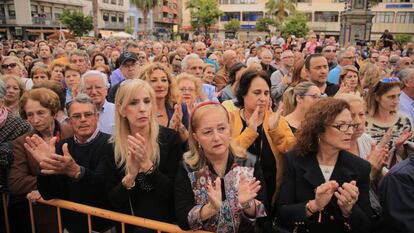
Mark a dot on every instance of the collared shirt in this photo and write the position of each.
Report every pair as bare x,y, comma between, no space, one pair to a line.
89,139
407,106
106,121
333,76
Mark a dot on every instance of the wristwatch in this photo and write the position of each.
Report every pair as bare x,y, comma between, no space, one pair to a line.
245,205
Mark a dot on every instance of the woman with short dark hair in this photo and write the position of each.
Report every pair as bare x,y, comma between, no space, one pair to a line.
325,188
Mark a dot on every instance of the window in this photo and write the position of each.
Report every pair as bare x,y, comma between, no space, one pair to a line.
113,18
308,16
252,15
47,10
57,12
405,17
113,2
2,12
121,18
121,2
230,15
105,1
105,17
326,16
383,17
33,10
12,11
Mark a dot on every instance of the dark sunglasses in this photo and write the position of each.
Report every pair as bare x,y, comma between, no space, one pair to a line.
11,65
330,50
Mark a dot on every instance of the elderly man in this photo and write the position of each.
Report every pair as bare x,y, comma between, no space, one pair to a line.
128,69
407,95
345,57
281,78
192,64
266,58
317,68
201,50
382,64
403,63
73,169
81,59
95,84
222,78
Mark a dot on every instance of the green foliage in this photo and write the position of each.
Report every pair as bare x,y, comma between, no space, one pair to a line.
233,25
145,5
263,24
279,9
295,25
403,38
76,22
204,13
129,29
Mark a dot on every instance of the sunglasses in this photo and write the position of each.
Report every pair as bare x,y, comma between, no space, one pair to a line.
11,65
330,50
386,80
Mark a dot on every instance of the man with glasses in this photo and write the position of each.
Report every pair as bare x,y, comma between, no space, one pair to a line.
73,170
128,69
281,78
329,52
345,58
95,84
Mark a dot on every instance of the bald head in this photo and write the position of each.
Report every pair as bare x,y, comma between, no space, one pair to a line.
229,58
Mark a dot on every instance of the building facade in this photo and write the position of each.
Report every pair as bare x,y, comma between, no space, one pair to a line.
32,19
322,15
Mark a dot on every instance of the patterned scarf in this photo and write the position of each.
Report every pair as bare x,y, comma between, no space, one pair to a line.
3,116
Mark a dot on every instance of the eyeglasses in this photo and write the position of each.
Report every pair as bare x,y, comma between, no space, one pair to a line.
187,89
330,50
314,96
78,116
345,126
11,65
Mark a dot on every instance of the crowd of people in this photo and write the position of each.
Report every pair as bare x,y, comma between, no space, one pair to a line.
275,135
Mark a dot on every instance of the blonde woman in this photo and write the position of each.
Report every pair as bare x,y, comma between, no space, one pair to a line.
140,176
369,74
190,90
15,89
349,81
297,100
169,114
214,189
12,65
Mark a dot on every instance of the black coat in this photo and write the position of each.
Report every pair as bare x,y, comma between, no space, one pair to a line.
302,175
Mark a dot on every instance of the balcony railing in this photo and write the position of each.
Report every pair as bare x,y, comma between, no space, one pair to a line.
114,25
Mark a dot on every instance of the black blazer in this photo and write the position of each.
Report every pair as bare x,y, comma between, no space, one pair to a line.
302,176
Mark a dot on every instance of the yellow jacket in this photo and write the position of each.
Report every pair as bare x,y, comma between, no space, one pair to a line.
281,139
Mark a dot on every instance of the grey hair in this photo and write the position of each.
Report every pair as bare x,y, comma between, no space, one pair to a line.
94,73
394,59
184,62
81,99
405,74
79,52
3,89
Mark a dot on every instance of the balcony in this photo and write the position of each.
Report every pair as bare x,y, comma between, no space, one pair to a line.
40,21
114,25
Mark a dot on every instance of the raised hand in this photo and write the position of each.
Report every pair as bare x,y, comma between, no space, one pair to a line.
139,156
386,139
247,190
285,80
254,121
403,137
176,117
324,193
38,148
344,88
214,194
347,196
58,164
274,117
378,158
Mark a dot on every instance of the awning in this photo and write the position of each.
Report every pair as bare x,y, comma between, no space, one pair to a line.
3,30
41,30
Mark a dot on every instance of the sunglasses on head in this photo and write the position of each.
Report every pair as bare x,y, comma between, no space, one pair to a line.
386,80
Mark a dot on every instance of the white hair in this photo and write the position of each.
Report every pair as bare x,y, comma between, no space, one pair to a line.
184,62
94,73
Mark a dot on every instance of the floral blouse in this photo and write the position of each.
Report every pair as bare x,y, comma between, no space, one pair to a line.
230,217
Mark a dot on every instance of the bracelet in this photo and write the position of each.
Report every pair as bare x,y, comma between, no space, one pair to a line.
245,205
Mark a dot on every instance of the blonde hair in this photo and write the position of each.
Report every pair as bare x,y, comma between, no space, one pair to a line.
350,68
146,73
197,83
17,79
125,94
195,157
15,60
370,73
350,98
289,97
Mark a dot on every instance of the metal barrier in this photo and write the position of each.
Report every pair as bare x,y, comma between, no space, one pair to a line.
106,214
